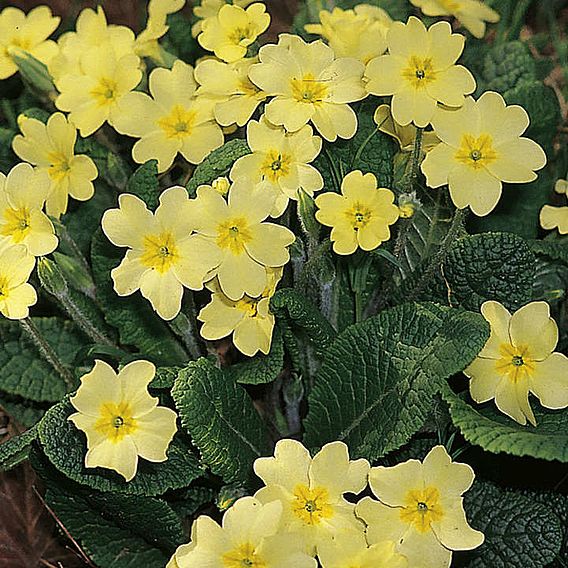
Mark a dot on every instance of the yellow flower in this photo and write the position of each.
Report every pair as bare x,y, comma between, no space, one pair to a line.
481,148
280,162
359,33
421,509
420,71
309,83
351,550
230,90
170,121
248,319
26,33
360,215
233,29
471,13
245,245
92,98
91,32
16,295
519,358
556,217
162,258
210,9
311,490
146,44
404,135
50,147
249,536
120,418
22,221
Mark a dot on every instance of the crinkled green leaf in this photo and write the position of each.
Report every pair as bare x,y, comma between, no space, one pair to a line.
66,446
556,250
489,266
304,317
261,368
165,377
485,426
38,113
519,531
144,183
375,387
15,450
217,163
25,412
133,316
221,419
25,372
507,65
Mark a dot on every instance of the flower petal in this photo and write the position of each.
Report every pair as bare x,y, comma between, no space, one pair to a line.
392,484
549,381
164,291
119,456
269,243
98,387
532,326
154,432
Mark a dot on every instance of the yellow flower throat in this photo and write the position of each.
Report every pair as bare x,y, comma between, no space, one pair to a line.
422,508
179,123
516,362
311,505
16,224
160,252
233,234
275,165
308,90
243,556
476,152
115,421
359,215
419,71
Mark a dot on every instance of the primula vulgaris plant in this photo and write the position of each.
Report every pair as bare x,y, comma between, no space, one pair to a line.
257,297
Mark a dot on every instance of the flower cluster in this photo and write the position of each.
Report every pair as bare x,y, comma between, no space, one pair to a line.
301,512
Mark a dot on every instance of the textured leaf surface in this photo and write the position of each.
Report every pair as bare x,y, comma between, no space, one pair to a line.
221,420
508,65
25,412
24,371
490,266
552,249
375,387
133,316
66,446
217,163
485,426
144,183
261,368
519,531
15,450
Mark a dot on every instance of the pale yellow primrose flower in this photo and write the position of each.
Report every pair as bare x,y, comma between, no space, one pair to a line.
481,148
359,33
351,550
210,9
556,217
120,419
233,29
249,536
22,195
162,258
311,490
404,135
26,33
309,83
246,245
229,89
16,294
280,162
421,509
92,97
519,358
360,215
248,319
92,31
471,13
172,120
51,148
420,71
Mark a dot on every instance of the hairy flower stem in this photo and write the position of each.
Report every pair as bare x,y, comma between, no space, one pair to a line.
47,351
185,328
416,151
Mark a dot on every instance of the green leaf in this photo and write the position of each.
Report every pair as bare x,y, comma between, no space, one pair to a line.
519,531
556,250
485,426
221,419
24,371
217,163
165,377
375,387
15,450
133,316
178,41
117,531
304,316
144,183
66,446
37,113
25,412
7,157
260,369
508,65
490,266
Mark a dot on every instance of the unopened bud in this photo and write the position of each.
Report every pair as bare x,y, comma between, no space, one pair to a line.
307,215
51,277
33,71
229,494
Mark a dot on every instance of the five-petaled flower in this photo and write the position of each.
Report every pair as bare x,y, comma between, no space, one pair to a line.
481,147
420,71
360,215
120,418
519,358
420,508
